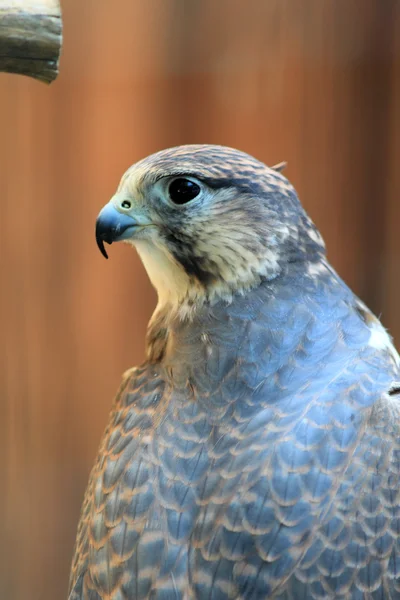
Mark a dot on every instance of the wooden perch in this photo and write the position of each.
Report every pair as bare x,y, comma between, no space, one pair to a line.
30,38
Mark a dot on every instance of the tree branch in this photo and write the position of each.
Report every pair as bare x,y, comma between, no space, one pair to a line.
30,38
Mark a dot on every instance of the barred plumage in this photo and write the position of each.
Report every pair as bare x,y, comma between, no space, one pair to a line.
256,454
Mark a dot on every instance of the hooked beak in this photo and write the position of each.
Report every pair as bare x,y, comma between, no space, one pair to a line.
113,226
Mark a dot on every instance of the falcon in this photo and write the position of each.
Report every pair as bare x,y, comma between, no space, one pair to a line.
256,453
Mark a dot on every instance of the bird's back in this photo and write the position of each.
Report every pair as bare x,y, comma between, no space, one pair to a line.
259,459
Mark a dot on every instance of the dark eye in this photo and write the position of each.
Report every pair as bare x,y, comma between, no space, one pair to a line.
183,190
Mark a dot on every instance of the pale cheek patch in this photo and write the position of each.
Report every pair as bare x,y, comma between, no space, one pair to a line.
240,244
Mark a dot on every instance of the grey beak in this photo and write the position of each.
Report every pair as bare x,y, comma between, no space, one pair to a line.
112,226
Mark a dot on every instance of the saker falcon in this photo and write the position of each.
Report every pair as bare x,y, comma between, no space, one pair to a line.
256,453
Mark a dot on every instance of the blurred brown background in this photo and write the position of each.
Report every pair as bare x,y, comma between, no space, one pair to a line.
313,82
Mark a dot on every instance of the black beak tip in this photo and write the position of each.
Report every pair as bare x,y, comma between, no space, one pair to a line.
102,237
100,243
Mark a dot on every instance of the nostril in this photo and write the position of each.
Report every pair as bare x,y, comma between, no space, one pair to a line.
126,204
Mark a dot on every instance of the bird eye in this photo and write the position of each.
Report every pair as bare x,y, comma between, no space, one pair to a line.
126,204
183,190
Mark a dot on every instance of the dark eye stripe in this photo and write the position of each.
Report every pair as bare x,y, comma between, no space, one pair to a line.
241,184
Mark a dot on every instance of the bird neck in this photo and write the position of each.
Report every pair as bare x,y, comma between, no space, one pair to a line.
213,331
173,325
182,295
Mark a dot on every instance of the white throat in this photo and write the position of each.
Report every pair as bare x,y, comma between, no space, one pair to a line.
166,275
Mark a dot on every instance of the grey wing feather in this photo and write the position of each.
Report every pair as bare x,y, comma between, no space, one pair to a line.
121,536
280,481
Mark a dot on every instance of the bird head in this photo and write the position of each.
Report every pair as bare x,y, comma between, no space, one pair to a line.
208,222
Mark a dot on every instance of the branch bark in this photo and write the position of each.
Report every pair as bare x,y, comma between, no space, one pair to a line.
30,38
